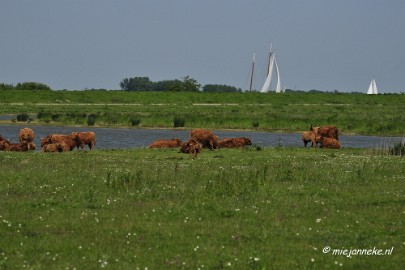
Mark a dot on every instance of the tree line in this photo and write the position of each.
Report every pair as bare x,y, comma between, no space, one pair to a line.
25,86
186,84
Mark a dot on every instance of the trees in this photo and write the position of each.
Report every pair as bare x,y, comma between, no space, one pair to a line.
25,86
220,88
188,84
136,84
31,86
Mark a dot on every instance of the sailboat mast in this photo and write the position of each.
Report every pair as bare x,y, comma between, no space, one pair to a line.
253,71
270,53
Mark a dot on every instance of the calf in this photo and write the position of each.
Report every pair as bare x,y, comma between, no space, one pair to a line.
191,147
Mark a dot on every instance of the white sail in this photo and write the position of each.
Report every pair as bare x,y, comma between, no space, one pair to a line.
372,89
252,72
278,86
267,83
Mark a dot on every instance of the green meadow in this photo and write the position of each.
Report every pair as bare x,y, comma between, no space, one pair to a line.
254,208
289,112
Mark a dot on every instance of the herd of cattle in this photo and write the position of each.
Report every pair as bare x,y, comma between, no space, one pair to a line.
325,136
51,143
201,138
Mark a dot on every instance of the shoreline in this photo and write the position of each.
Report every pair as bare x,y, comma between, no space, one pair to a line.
275,131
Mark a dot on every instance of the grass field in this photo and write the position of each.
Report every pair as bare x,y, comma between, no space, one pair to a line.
270,208
290,112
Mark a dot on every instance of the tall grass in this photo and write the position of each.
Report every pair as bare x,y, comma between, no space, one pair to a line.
158,209
292,112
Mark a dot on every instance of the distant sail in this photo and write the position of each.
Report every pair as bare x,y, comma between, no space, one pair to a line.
372,89
252,72
272,62
278,86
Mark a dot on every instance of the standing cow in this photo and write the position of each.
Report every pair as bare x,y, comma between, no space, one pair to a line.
85,138
306,137
205,138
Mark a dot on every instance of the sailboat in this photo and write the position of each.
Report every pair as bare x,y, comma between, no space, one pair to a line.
271,64
372,89
252,72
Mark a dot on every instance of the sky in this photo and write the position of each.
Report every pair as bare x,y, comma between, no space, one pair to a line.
325,45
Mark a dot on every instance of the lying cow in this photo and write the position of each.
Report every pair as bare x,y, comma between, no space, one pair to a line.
70,141
324,131
85,138
172,143
191,147
26,135
54,147
234,142
2,139
22,147
329,143
205,138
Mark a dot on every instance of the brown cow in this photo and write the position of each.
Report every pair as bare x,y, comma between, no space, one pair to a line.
306,137
54,147
46,140
205,137
191,147
70,141
26,135
172,143
85,138
2,139
330,143
25,146
3,145
324,131
234,142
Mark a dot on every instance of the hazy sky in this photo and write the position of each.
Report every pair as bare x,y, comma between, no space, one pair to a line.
319,44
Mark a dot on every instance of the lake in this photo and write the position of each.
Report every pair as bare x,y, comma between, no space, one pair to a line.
116,138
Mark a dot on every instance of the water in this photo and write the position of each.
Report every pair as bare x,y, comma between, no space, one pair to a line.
118,138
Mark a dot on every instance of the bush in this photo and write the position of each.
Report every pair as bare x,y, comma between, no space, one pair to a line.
255,124
44,115
22,117
55,117
398,149
179,122
135,121
91,119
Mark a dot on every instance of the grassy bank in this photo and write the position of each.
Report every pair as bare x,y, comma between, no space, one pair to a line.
276,208
291,112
